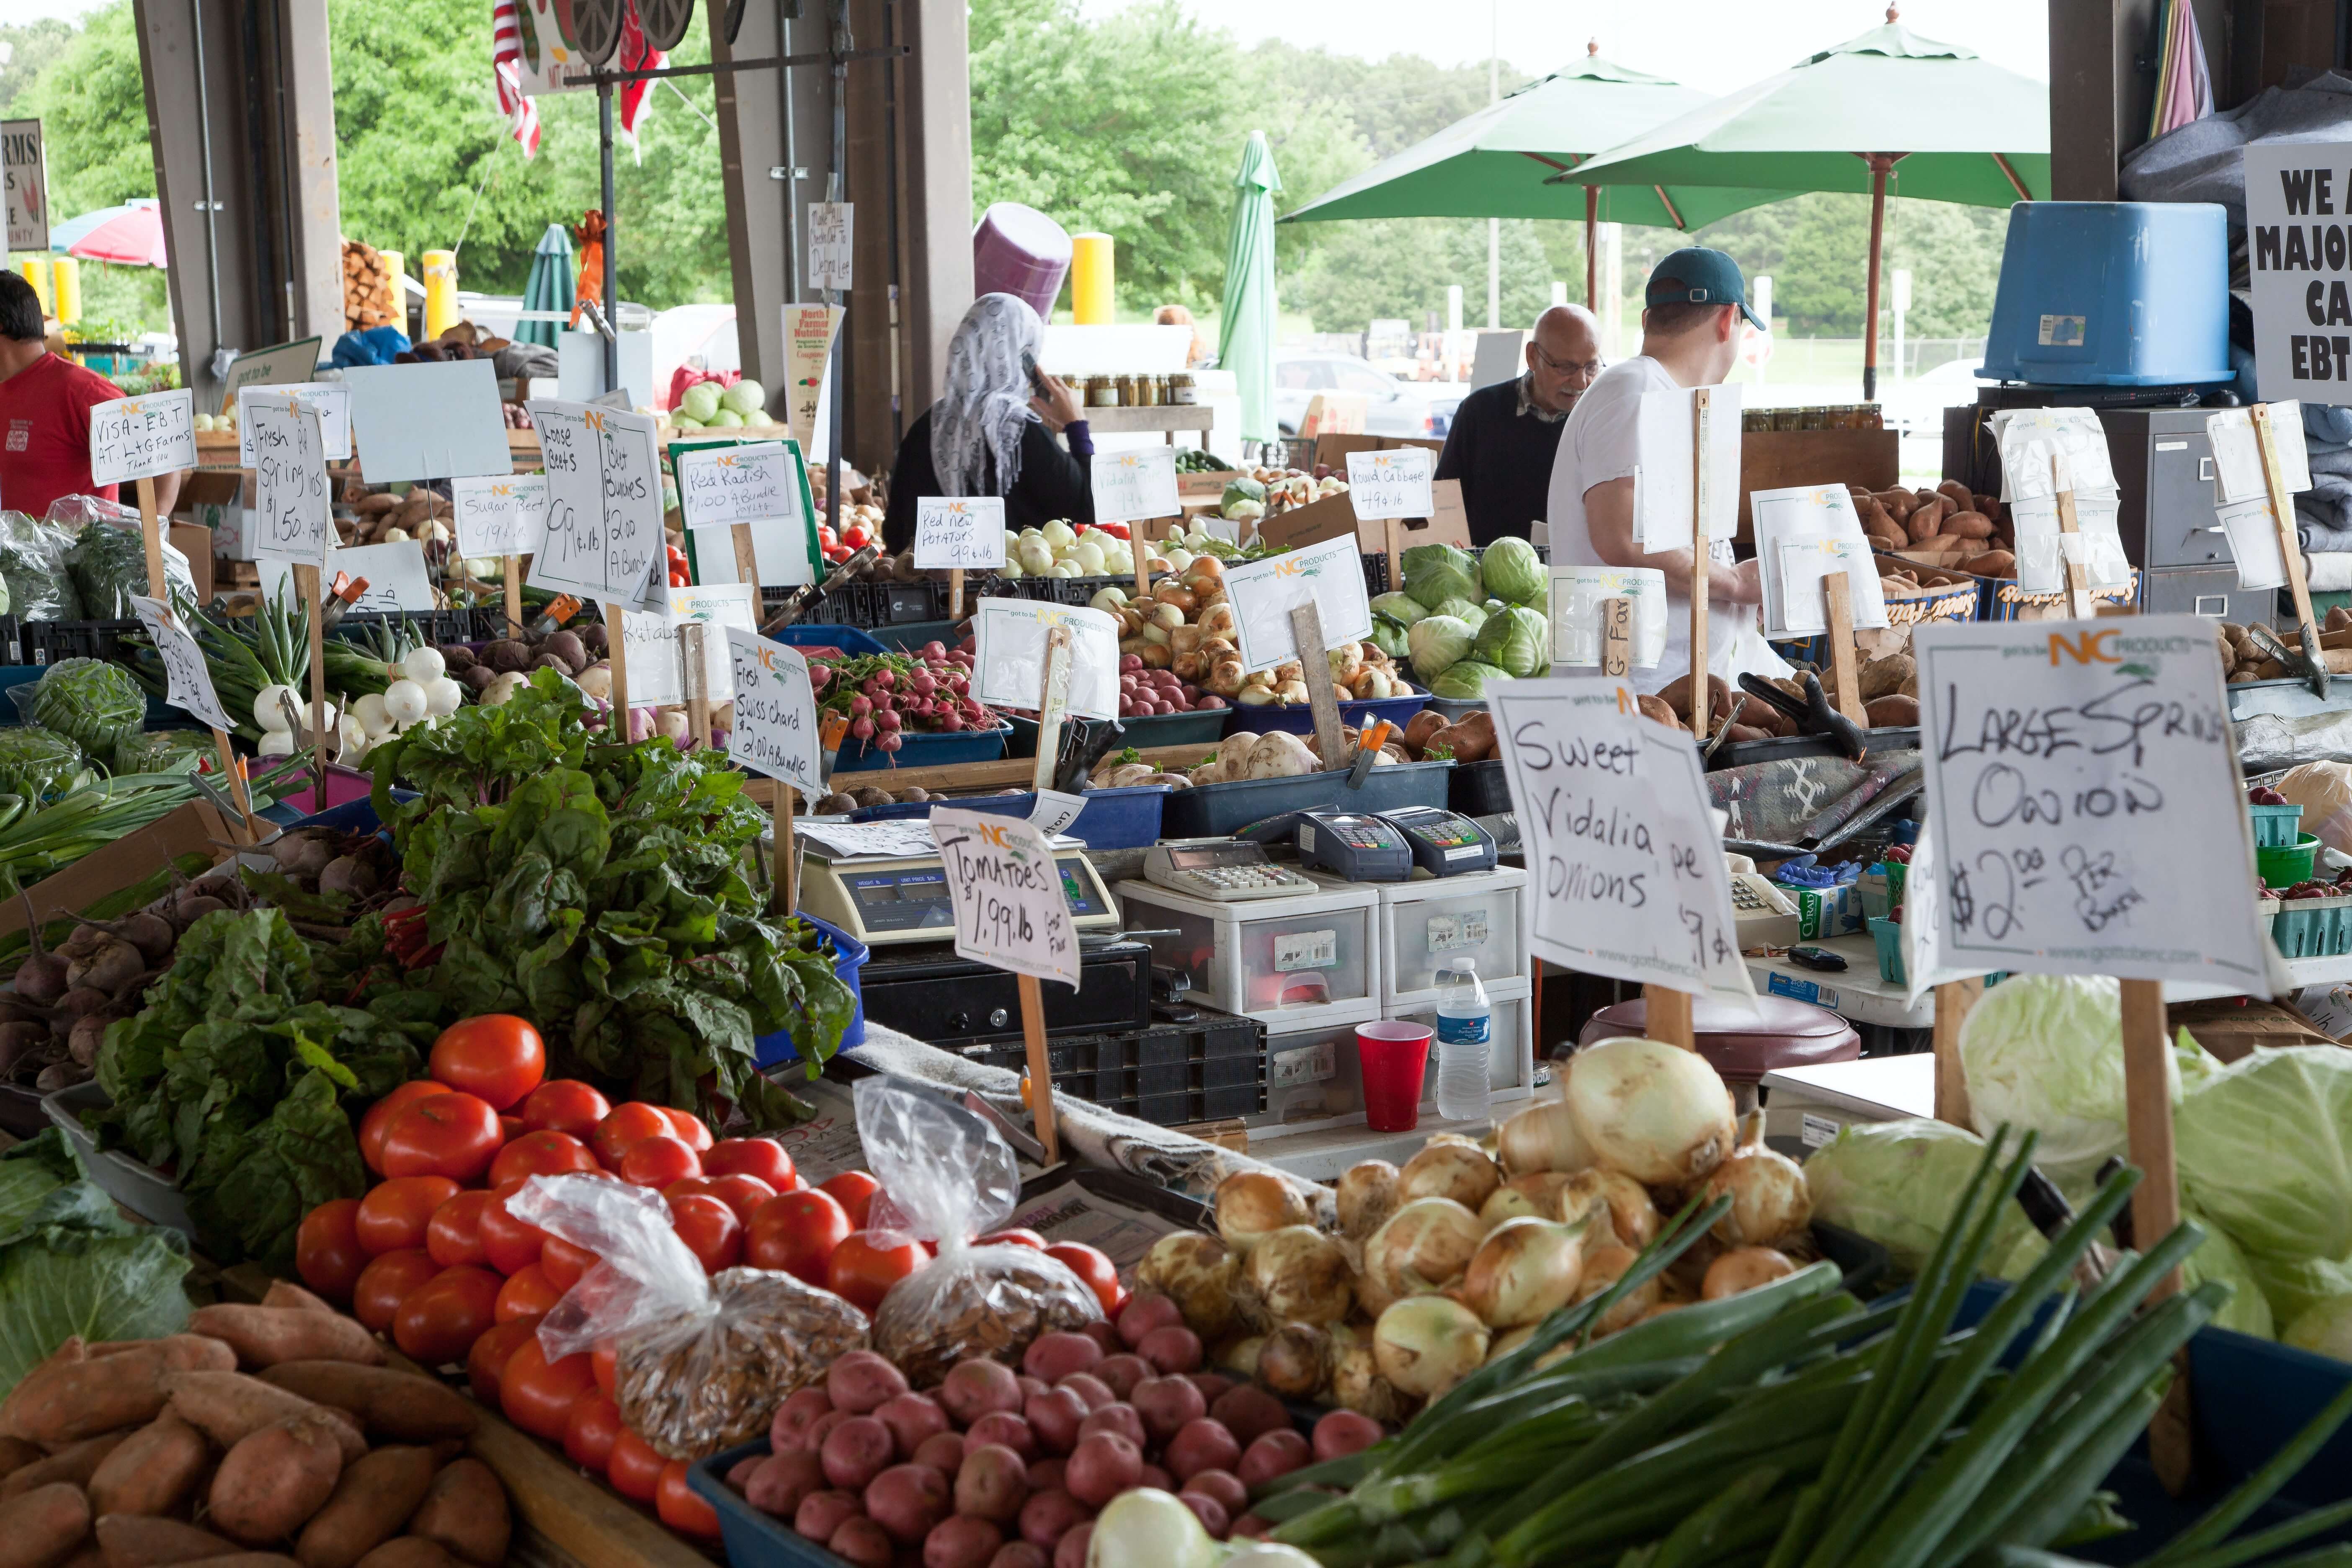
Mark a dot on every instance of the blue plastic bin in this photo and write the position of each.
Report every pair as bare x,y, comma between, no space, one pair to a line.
2113,294
849,957
923,749
1299,719
848,640
1113,818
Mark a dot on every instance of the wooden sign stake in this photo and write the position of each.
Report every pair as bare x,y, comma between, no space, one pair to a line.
955,592
511,573
1041,1073
697,685
1140,548
1395,553
1053,703
1953,1001
1666,1016
1845,685
747,566
2147,1118
787,893
616,654
1702,700
2290,548
1617,637
2078,586
1322,697
159,588
306,583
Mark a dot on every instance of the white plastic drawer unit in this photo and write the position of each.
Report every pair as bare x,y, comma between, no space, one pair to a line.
1426,925
1278,959
1313,1075
1510,1043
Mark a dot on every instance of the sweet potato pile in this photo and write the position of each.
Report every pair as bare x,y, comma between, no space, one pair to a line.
1975,530
147,1452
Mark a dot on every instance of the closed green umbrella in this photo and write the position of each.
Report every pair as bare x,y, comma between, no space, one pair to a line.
549,287
1246,323
1951,126
1493,164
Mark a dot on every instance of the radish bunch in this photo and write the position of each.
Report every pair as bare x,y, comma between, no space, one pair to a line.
886,695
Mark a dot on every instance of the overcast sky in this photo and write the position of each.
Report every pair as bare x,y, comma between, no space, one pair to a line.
1713,45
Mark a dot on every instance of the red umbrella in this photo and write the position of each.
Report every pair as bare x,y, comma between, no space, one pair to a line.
132,235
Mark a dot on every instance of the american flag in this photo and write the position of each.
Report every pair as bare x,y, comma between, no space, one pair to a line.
506,66
634,56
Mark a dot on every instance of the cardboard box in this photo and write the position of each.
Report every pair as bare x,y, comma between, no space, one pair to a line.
196,828
2231,1029
1775,459
1335,515
195,542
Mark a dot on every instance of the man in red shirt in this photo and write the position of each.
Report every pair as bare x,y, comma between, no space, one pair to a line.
45,404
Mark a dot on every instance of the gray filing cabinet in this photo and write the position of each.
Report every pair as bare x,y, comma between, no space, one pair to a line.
2164,468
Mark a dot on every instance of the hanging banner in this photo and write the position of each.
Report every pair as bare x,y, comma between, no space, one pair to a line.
23,184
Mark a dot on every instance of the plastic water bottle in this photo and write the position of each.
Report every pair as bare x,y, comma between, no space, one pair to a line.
1465,1022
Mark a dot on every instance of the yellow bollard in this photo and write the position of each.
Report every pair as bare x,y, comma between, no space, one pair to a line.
68,273
440,292
37,273
1091,279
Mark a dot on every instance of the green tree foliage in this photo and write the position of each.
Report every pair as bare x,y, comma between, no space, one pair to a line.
30,45
1129,125
93,105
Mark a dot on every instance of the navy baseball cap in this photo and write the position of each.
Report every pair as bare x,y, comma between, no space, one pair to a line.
1699,276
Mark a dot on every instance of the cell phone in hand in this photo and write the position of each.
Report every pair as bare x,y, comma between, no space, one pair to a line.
1036,376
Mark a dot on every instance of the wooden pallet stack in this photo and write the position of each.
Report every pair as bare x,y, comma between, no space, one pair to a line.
367,288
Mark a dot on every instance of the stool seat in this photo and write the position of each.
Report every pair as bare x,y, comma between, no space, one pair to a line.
1742,1048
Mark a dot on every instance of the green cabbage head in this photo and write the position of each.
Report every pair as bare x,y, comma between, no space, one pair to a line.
1897,1182
2292,1286
1436,644
1391,637
1518,641
1401,608
2247,1312
2265,1147
1462,610
2046,1051
1437,572
1466,681
1512,571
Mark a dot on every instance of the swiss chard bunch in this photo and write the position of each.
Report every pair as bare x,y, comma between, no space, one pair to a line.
602,891
235,1077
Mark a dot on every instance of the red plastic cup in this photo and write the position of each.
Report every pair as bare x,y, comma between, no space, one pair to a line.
1395,1057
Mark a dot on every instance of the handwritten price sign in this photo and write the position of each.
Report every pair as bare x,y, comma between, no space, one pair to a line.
330,399
831,226
1010,910
140,438
1132,485
1620,843
721,486
775,712
501,515
289,467
1390,484
965,531
603,506
188,683
1263,593
2084,791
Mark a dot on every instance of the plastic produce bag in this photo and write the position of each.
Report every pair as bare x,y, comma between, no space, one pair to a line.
109,564
37,764
94,704
946,1176
33,565
700,1362
162,752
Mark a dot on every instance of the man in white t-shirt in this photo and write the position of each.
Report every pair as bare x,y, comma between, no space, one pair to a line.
1695,304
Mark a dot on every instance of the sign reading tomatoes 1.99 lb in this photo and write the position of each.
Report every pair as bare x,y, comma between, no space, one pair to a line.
1010,910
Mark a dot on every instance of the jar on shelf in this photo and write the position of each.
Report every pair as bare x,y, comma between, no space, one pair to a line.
1101,393
1182,390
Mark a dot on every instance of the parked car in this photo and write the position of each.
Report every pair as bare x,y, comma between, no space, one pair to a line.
1917,406
1392,407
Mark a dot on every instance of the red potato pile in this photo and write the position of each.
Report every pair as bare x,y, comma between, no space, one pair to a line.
149,1452
999,1469
1144,691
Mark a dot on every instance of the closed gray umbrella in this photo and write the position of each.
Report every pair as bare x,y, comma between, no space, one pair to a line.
549,287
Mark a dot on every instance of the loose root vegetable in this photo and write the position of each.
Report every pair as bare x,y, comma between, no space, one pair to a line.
1768,1196
1366,1197
1199,1274
1523,1271
1654,1111
1425,1344
1446,1168
1299,1275
1543,1137
264,1336
1620,1204
1744,1268
1423,1245
1536,1195
273,1481
67,1396
1252,1205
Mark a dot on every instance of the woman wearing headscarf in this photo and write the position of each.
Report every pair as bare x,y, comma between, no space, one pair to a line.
992,432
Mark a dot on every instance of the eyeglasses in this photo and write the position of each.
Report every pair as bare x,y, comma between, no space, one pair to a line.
1587,369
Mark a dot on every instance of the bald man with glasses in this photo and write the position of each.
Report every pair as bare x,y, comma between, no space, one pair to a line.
1504,437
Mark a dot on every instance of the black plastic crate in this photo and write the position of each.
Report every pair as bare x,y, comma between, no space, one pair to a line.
53,642
1211,1067
1376,574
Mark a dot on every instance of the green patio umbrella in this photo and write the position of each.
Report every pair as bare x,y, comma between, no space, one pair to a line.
1493,164
549,286
1245,322
1952,127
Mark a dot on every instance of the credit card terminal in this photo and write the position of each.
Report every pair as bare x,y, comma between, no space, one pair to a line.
1443,843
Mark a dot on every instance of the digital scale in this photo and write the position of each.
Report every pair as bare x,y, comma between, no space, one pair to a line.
903,900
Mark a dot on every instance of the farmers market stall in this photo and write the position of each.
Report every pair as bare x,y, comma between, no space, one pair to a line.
1084,1089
